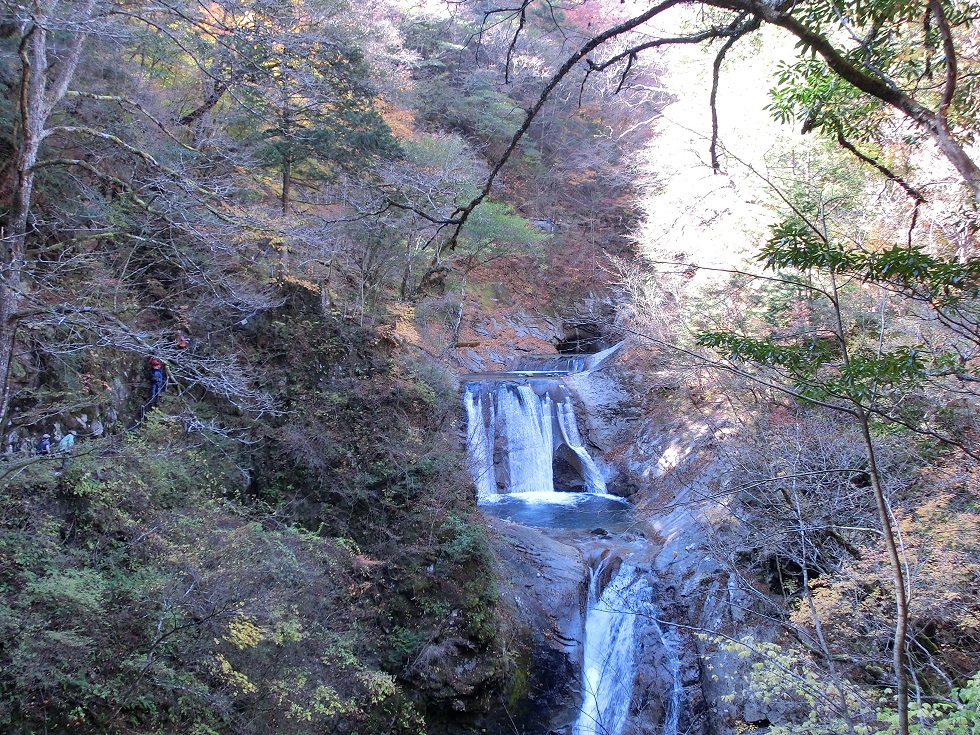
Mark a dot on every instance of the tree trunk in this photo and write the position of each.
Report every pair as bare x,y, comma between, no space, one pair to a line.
286,184
957,156
9,304
43,86
33,112
887,530
898,580
212,99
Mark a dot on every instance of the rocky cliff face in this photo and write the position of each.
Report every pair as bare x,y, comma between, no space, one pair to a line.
669,457
542,588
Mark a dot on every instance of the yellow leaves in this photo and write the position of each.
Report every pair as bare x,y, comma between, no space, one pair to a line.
348,545
405,331
581,178
236,679
243,633
355,590
287,631
400,121
327,702
379,685
308,285
942,545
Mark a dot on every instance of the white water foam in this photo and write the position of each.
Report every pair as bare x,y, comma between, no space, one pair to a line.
529,424
479,443
551,497
609,660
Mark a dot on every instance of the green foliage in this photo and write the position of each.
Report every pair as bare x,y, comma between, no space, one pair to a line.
827,363
447,174
862,379
958,716
806,91
137,628
150,570
326,117
795,244
799,360
402,643
301,86
896,44
465,540
798,694
808,701
493,231
480,111
945,282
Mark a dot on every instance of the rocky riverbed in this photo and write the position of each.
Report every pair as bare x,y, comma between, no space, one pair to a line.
674,471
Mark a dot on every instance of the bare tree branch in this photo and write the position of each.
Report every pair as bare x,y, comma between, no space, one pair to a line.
737,33
916,195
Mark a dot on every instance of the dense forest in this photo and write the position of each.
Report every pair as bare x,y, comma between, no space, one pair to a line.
247,245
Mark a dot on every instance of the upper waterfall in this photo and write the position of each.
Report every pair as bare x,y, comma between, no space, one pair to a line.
525,424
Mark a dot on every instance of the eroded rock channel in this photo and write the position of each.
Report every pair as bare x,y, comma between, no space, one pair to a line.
579,571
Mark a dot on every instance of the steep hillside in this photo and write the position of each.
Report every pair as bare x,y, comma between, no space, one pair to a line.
325,568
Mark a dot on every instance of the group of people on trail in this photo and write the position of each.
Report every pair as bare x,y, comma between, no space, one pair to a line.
65,447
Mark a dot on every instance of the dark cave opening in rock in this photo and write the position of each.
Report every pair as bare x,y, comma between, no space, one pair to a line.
581,338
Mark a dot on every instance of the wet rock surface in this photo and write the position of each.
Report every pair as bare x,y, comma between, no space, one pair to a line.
542,587
667,455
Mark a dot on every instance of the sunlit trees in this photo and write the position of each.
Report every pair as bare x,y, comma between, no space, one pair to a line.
307,96
876,331
852,65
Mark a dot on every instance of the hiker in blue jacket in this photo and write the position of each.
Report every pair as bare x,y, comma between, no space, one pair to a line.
158,379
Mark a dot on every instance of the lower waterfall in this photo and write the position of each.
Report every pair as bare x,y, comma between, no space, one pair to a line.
609,660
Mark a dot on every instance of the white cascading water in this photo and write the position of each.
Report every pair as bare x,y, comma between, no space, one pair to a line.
568,428
527,425
532,422
479,443
609,660
527,419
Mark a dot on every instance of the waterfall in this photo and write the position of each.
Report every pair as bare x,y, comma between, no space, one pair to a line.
554,364
524,424
572,363
479,443
565,415
527,426
609,660
517,423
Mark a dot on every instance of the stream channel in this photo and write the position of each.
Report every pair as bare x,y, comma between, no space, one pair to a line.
531,467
